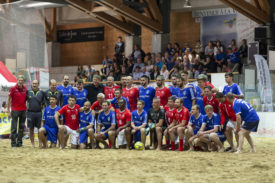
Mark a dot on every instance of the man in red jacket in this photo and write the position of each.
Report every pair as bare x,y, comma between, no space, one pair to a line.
227,113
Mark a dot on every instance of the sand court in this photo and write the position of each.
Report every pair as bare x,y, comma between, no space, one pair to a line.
25,165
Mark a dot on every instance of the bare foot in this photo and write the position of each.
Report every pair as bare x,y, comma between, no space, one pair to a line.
221,149
238,152
253,150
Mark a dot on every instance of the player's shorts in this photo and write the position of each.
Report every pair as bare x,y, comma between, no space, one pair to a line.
231,124
121,139
83,137
195,131
105,134
52,133
221,136
250,126
34,119
74,135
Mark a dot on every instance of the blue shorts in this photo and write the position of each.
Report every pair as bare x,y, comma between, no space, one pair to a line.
137,136
195,131
52,133
221,136
83,136
250,126
106,134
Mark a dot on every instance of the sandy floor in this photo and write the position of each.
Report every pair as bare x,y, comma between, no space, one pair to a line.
25,165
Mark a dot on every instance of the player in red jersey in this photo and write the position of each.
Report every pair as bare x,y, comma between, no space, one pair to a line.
131,93
203,79
162,92
209,99
123,131
227,113
71,116
169,114
181,118
109,90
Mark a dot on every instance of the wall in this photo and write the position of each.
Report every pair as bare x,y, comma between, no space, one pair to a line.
183,28
146,40
88,53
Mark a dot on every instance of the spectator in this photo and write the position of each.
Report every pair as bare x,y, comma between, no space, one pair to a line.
155,72
233,45
169,49
139,63
4,108
217,47
177,47
243,51
149,66
153,58
94,89
170,64
145,72
117,73
164,72
233,60
119,47
123,71
158,63
209,50
147,58
106,60
209,65
220,60
138,53
17,103
129,67
137,74
80,69
199,48
174,71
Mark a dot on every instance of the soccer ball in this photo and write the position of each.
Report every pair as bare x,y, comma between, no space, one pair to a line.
139,146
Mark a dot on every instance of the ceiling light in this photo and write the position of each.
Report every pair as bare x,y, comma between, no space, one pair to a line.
187,4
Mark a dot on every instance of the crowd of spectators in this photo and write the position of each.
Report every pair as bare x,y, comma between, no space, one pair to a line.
214,57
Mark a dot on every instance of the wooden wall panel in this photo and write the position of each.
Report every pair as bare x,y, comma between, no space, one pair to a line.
183,28
146,40
88,53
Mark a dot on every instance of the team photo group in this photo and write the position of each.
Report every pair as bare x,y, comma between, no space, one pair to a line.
181,116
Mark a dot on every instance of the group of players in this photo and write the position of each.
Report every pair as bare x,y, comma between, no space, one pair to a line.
188,116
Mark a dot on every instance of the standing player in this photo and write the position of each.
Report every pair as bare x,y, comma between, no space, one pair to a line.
80,93
194,125
169,114
210,129
162,92
49,129
156,117
181,118
187,93
86,128
71,116
227,113
123,131
35,99
246,114
131,93
109,90
118,95
209,99
173,87
53,91
139,122
106,125
232,87
66,90
146,93
200,93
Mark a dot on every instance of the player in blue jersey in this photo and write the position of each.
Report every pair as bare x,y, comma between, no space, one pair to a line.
146,93
106,125
210,130
66,89
80,93
139,122
232,87
194,125
49,129
86,125
186,92
118,95
199,98
246,114
173,87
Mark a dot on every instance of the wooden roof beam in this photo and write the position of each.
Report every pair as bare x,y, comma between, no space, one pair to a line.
154,9
132,14
265,6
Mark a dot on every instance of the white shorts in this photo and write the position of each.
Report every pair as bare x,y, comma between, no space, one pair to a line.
121,139
232,124
74,135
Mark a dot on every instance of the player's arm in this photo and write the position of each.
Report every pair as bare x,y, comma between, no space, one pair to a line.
133,125
161,120
214,130
182,124
98,128
9,105
172,124
42,122
200,132
113,127
239,122
144,123
128,124
192,95
56,117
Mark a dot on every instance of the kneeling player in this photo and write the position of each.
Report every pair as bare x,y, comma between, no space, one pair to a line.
194,125
139,122
211,124
123,131
169,114
181,118
106,125
86,122
156,117
49,129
